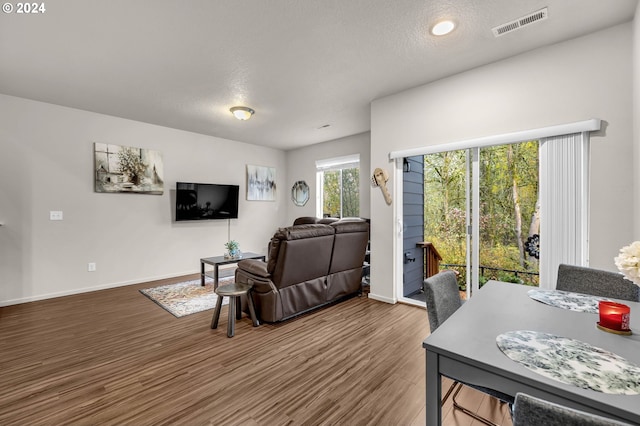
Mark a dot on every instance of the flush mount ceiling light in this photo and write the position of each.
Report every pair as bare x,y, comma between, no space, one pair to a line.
443,28
241,112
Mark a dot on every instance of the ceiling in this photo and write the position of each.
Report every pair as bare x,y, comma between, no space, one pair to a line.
301,64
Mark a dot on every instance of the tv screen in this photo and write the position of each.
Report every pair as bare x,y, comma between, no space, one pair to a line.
202,201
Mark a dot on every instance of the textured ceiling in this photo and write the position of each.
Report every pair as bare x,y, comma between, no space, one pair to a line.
301,64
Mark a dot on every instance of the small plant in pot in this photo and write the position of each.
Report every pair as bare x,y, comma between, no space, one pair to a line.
233,248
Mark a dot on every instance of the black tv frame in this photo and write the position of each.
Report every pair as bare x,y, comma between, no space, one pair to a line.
206,201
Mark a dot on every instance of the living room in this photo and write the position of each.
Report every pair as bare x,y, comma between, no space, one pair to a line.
47,165
562,83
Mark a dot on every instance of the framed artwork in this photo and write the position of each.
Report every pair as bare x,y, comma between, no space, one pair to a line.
127,169
261,183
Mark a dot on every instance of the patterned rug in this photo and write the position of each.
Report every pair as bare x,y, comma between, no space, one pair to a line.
187,297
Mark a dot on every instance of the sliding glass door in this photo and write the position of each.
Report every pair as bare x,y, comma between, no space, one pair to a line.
482,212
509,213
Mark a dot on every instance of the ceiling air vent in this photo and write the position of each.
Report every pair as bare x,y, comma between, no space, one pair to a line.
540,15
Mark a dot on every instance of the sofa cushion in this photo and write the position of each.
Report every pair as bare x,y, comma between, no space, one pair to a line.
305,220
304,231
352,237
350,225
255,266
274,248
291,233
327,220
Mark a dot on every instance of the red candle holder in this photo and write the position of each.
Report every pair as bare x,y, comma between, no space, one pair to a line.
614,317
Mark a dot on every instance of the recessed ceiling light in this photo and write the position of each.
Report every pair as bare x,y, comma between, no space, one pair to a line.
242,112
443,28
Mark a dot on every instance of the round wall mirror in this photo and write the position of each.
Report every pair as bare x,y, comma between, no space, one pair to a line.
300,193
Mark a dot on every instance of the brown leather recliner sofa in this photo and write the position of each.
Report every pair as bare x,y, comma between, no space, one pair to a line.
309,265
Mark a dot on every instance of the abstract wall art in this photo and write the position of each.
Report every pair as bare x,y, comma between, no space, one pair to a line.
261,183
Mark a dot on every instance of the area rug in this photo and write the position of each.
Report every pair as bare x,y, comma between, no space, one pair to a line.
187,297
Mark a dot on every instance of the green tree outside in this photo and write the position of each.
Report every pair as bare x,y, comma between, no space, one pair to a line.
341,193
508,208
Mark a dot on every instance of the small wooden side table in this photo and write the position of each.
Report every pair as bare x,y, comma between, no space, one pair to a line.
234,292
216,261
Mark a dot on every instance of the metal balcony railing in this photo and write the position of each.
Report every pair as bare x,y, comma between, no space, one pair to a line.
492,273
432,265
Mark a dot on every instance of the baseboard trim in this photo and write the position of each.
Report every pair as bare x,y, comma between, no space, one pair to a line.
36,298
411,302
382,298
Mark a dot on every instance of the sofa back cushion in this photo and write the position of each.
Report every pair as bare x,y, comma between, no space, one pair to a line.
305,220
300,253
350,245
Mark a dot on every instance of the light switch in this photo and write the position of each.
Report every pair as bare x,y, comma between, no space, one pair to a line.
55,215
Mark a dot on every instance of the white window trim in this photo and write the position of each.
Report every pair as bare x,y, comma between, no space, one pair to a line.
336,163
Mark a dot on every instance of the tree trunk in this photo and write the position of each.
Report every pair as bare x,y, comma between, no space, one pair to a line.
516,204
534,226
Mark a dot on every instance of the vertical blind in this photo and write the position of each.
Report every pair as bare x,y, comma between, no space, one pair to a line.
564,201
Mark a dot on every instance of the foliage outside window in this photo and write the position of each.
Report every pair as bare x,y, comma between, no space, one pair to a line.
509,209
341,193
339,188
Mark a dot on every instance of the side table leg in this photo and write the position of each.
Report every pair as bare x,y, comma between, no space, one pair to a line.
215,276
202,273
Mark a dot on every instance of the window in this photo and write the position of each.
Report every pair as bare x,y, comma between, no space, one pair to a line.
338,187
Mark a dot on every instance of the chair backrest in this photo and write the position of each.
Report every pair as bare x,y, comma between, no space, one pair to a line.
592,281
442,297
532,411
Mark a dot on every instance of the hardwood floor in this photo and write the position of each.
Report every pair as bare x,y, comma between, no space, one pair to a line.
114,357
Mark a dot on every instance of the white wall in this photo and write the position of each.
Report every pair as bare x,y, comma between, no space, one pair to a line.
588,77
302,166
46,163
636,122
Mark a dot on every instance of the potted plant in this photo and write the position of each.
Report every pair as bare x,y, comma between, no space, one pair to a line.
233,248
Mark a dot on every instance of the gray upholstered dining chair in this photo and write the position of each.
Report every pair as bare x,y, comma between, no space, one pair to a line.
443,299
580,279
532,411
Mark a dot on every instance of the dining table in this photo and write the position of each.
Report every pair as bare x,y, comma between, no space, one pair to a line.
498,339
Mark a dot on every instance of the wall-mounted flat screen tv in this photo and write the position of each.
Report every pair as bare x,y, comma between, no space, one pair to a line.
202,201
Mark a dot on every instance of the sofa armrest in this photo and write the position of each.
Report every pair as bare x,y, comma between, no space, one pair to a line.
254,272
254,267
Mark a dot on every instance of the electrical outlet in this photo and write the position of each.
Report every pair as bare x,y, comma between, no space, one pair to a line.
55,215
91,267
